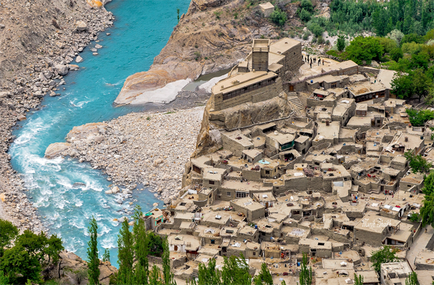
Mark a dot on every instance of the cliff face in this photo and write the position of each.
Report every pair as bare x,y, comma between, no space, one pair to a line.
212,36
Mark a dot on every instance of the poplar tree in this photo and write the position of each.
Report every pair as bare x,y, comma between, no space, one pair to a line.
141,244
168,275
306,274
92,253
358,279
125,255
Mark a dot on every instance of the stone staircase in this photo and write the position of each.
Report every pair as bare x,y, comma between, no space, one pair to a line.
296,102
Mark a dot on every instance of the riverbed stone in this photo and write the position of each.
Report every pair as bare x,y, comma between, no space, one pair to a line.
56,149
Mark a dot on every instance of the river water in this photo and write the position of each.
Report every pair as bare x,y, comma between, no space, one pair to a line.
67,193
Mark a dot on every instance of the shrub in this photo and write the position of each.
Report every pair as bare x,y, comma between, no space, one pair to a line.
316,29
340,44
305,15
306,5
278,17
396,35
396,54
320,40
411,48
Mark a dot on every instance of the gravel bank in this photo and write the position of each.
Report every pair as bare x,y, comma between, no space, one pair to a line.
138,149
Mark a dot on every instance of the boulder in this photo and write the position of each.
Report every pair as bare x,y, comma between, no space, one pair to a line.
114,190
95,3
73,67
56,149
78,59
98,46
90,132
80,26
61,69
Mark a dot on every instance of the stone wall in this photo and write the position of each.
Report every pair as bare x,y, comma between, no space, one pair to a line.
255,95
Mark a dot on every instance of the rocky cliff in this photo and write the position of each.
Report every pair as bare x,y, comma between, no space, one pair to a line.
213,35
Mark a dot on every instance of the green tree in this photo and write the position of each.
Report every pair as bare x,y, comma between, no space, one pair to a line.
396,35
316,29
264,276
92,253
8,232
417,162
414,83
412,279
384,255
358,279
141,244
340,44
428,184
125,255
106,255
167,274
364,49
305,15
415,217
419,117
3,279
396,54
154,277
19,265
427,211
278,17
306,5
306,274
208,274
236,271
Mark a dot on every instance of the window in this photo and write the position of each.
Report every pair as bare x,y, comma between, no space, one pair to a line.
254,253
211,182
320,243
267,171
241,194
228,194
213,241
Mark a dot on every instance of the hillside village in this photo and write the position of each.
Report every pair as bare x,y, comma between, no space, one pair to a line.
324,175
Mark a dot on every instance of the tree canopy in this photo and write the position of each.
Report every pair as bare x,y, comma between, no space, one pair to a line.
384,255
364,49
24,260
417,162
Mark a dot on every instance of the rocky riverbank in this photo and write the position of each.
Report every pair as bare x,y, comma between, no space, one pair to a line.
137,150
39,42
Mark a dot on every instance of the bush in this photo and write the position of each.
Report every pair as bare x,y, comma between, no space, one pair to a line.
411,48
314,40
316,29
396,54
320,40
333,52
306,35
305,15
340,44
396,35
306,5
413,38
387,44
278,17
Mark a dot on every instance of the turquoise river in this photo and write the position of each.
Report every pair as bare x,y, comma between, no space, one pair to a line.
68,193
